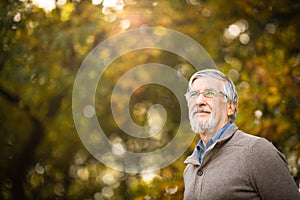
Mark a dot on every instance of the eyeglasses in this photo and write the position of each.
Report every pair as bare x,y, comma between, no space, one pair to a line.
207,93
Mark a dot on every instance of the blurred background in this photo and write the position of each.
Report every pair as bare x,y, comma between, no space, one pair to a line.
43,43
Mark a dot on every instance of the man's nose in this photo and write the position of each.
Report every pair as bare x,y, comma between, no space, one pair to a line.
200,99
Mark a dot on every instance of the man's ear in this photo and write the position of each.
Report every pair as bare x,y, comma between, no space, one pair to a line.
230,109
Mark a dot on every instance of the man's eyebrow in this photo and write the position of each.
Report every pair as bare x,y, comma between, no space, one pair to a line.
204,89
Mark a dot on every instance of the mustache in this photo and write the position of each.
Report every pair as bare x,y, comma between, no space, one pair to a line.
200,109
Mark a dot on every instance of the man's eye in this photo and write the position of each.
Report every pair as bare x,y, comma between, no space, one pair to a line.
194,94
209,93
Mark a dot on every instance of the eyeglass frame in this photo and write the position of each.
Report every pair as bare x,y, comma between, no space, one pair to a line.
205,94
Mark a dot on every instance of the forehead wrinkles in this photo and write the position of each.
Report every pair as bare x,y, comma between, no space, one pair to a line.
204,82
199,82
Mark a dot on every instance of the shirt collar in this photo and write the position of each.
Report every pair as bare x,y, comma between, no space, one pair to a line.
213,139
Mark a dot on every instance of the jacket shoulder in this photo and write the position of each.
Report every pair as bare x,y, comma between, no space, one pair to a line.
245,139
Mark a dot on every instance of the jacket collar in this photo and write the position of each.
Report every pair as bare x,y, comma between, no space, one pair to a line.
228,133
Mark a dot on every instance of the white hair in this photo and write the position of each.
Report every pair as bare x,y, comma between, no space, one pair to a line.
228,86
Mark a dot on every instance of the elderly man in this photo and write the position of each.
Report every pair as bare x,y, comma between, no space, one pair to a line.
228,163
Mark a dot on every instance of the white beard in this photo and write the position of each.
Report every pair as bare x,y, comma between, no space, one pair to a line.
200,126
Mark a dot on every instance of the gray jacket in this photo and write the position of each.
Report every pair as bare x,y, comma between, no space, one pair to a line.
239,166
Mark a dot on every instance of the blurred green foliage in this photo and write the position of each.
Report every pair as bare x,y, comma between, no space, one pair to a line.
256,43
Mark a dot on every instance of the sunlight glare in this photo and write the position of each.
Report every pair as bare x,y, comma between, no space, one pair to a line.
109,3
96,2
125,24
149,177
117,5
89,111
193,2
244,38
206,12
156,118
46,5
271,28
109,179
83,173
17,17
234,30
171,190
39,168
61,2
118,149
107,192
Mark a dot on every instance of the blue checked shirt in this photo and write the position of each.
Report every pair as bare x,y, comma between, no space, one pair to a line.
200,149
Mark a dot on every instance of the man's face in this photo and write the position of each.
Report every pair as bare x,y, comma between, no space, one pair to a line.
208,115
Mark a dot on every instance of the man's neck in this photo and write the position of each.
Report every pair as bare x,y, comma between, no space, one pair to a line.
205,137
